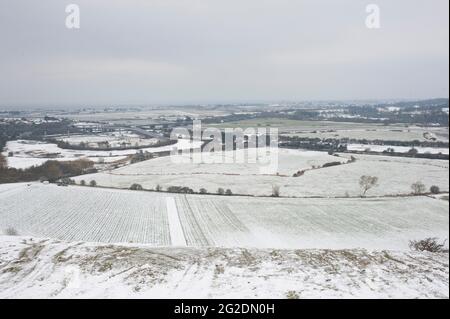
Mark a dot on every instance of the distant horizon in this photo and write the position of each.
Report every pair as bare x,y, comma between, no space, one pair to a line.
14,108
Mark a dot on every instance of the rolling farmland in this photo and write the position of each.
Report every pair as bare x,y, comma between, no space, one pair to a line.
115,216
395,175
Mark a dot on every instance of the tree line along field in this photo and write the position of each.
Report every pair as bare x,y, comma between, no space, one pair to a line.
395,175
116,216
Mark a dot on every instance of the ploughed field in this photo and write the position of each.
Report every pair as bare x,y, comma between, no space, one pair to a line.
78,213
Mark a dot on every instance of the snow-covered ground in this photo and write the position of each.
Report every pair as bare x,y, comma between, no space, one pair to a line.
399,149
395,133
28,153
396,175
42,268
77,213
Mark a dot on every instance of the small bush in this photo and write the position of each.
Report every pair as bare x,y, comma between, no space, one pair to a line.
92,183
136,187
228,192
418,188
220,191
10,231
203,191
435,189
428,244
275,191
158,188
331,164
83,182
180,189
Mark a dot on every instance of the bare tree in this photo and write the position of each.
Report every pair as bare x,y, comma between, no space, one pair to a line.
366,183
10,231
275,191
418,188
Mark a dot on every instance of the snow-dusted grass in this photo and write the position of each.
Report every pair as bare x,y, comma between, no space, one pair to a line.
375,133
289,162
35,268
104,215
399,149
84,214
115,139
395,175
30,153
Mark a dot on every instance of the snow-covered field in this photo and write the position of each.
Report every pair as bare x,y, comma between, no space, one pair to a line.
104,215
399,149
30,153
115,139
41,268
289,162
395,175
376,133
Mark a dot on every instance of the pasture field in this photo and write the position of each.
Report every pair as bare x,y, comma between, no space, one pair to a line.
390,133
114,139
396,175
289,124
116,216
27,153
398,149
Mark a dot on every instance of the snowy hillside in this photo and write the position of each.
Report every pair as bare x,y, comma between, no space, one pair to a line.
40,268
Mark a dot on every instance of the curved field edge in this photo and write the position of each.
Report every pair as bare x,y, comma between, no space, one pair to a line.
395,175
41,268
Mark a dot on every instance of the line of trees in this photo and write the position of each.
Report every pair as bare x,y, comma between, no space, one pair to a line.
50,171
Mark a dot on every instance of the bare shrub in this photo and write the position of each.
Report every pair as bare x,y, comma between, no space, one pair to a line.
10,231
292,295
136,187
428,244
275,191
418,188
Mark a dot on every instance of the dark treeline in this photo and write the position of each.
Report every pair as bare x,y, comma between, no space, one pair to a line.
416,112
85,147
296,140
49,171
24,130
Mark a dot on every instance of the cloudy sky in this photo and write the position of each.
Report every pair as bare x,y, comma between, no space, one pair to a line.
197,51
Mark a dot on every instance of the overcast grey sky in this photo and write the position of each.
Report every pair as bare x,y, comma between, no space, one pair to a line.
185,51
